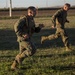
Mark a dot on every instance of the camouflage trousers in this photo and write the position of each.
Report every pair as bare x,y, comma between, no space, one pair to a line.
60,33
27,48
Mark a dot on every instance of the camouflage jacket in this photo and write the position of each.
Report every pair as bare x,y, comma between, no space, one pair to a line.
25,25
59,18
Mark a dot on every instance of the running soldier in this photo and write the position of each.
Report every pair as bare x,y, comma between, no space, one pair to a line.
59,19
24,29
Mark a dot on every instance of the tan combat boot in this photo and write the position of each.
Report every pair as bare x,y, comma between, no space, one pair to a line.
18,59
14,65
68,49
43,38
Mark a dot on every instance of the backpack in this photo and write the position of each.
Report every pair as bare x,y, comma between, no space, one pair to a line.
16,25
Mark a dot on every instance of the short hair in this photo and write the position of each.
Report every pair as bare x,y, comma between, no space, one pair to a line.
31,8
67,4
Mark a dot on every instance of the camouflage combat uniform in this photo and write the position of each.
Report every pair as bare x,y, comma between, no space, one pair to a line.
59,19
26,25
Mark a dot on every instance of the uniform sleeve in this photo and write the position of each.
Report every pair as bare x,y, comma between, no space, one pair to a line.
20,26
55,16
37,29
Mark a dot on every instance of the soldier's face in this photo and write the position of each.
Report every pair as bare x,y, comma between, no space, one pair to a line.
66,8
32,13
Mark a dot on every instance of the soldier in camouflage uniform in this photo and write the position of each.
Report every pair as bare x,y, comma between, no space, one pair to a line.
24,29
59,19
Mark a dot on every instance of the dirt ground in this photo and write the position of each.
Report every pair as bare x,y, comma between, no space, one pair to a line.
41,12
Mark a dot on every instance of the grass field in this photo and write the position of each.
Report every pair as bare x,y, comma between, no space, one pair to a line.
50,58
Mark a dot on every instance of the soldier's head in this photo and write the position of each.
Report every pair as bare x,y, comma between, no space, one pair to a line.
66,7
32,11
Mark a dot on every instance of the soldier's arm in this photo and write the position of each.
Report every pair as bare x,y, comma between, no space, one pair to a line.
37,29
55,16
21,24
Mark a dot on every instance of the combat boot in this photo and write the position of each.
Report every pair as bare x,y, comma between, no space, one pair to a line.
18,59
68,49
14,65
43,38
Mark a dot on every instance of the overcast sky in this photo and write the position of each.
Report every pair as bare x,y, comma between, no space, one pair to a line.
36,3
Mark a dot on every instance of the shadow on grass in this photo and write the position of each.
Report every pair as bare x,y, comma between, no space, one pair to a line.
67,54
8,39
62,68
7,56
60,55
56,42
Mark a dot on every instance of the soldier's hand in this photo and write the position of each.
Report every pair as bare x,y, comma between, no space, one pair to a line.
53,26
41,25
26,36
67,21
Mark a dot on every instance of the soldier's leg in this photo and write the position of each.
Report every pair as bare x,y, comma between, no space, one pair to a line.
17,60
30,49
22,45
14,65
27,48
50,37
65,39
